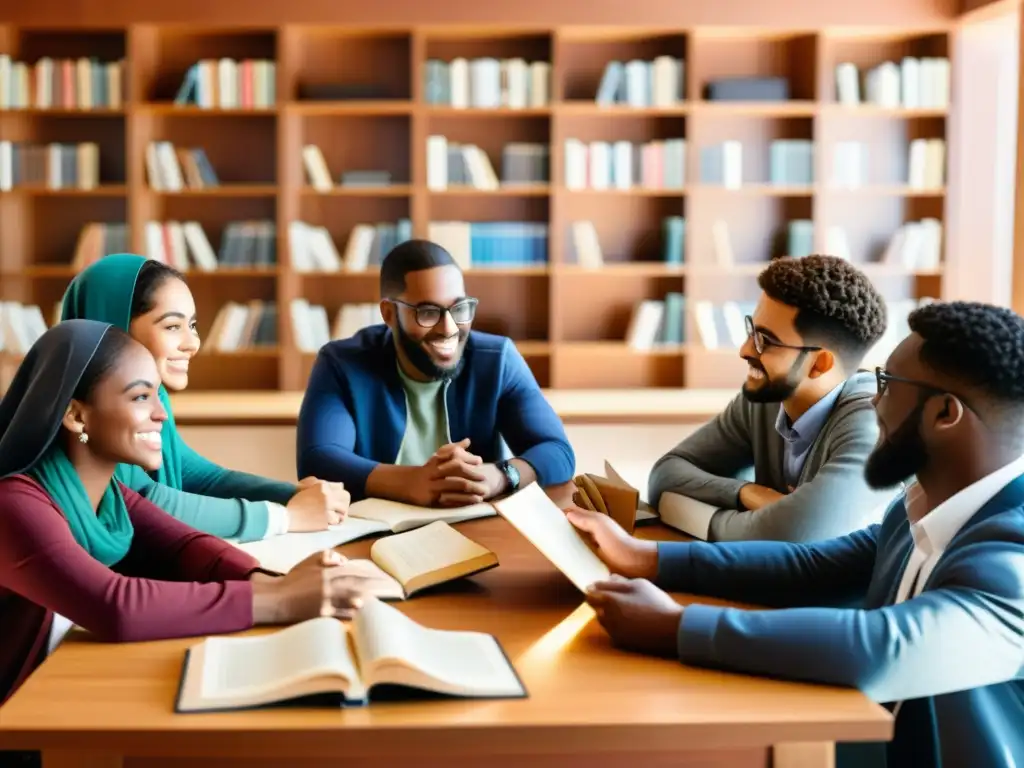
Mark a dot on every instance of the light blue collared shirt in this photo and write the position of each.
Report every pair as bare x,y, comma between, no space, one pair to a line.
800,436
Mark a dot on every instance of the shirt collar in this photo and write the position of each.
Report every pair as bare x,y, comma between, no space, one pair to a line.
806,428
934,530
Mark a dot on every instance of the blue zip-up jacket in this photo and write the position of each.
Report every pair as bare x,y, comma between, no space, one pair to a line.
953,655
353,414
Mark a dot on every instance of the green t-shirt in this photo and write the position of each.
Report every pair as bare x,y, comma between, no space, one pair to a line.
426,424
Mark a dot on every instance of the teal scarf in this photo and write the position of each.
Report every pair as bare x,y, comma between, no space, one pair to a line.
104,292
106,536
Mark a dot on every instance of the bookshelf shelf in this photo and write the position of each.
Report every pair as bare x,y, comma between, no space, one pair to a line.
571,245
365,107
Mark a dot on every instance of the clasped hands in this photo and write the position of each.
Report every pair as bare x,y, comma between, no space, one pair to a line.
635,613
455,477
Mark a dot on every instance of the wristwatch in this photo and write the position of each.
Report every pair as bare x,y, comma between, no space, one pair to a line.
511,474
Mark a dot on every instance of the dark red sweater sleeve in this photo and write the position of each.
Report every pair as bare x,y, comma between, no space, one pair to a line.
166,548
41,561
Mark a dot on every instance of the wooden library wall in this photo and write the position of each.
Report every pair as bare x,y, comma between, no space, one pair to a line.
610,192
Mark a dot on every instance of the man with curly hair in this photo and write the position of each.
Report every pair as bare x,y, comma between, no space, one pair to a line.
803,421
937,634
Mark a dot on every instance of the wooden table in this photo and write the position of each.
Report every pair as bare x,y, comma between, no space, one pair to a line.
591,705
579,406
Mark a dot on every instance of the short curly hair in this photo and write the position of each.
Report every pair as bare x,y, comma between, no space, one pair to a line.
837,306
981,345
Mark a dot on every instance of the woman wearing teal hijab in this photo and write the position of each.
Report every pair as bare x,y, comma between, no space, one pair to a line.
151,301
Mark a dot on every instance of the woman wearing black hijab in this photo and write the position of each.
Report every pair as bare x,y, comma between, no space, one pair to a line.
78,547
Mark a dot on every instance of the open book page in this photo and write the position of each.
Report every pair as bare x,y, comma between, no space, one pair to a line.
644,511
233,672
282,553
394,649
686,514
430,555
401,517
539,520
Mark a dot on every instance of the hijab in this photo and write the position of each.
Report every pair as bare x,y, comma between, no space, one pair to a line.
104,291
30,419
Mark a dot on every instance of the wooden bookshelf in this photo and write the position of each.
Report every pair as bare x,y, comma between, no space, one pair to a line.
569,321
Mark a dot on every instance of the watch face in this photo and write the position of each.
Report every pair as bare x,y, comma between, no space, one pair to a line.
513,475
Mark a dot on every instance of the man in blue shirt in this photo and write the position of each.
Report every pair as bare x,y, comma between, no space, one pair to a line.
423,409
938,636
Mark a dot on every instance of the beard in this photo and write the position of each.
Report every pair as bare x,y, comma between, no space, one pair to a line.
901,455
421,359
772,390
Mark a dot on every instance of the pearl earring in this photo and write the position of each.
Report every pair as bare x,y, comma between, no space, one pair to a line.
83,438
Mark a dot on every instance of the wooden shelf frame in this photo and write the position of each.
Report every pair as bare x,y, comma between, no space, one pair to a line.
569,321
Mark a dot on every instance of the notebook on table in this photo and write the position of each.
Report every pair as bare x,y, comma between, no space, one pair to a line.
381,654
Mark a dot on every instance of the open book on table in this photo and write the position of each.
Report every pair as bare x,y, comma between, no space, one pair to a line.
531,512
398,517
368,517
403,564
380,654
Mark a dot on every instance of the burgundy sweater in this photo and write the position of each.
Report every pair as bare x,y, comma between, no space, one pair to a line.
174,581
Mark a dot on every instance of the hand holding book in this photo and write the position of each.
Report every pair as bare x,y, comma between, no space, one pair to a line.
623,554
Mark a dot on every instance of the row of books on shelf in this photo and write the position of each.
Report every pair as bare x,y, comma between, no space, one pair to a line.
660,82
456,164
227,83
625,165
238,326
914,246
318,175
82,83
311,327
791,162
53,166
487,83
312,247
172,169
914,83
484,244
586,242
243,245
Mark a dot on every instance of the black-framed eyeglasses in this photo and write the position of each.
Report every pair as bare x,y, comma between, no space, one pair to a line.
883,377
429,315
762,342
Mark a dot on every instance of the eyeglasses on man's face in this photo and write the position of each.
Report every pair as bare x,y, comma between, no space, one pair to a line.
429,315
762,342
883,377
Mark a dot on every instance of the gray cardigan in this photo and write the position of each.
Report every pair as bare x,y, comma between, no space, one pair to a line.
831,497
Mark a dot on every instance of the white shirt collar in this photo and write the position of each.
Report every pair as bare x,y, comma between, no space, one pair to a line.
936,529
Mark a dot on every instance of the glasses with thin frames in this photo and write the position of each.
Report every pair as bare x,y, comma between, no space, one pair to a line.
429,315
762,342
882,377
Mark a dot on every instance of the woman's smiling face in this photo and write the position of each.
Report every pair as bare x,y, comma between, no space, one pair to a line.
168,331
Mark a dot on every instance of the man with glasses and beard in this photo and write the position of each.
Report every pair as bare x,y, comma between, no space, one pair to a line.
423,409
803,421
937,634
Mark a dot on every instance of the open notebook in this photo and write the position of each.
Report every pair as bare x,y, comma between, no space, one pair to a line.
323,660
543,524
368,517
403,564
